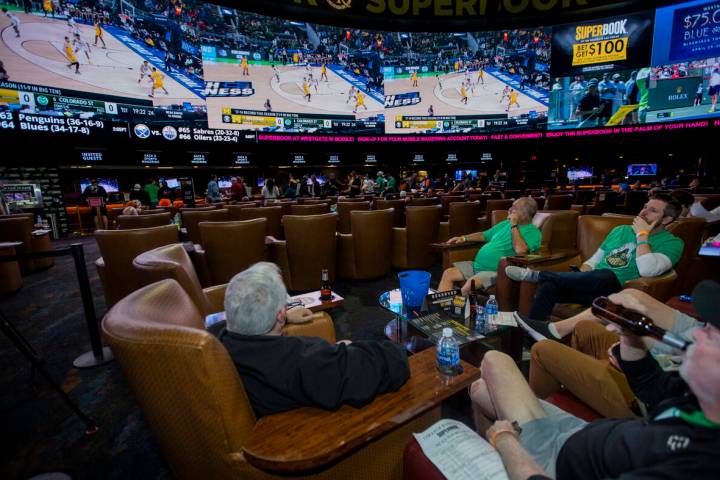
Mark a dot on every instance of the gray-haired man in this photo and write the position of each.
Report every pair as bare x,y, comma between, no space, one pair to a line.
285,372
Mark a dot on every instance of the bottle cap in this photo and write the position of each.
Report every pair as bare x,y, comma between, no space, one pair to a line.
492,297
447,332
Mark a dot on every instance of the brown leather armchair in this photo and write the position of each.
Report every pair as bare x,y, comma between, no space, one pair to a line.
317,209
187,385
689,268
398,207
424,202
19,228
154,211
558,229
591,232
412,244
128,222
344,209
558,202
273,215
191,219
492,205
220,242
366,252
172,262
446,200
310,245
118,248
462,219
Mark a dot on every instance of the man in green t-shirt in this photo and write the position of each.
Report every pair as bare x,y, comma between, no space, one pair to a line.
514,236
643,249
152,189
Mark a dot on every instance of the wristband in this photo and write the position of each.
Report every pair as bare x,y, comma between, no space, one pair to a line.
497,433
642,232
644,242
464,238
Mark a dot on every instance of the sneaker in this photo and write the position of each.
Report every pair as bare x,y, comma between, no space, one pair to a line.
536,329
520,274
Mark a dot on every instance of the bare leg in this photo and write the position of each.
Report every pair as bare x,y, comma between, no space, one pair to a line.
661,314
509,395
449,277
483,409
565,327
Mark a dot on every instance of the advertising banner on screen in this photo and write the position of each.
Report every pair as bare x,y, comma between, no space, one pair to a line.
602,45
688,31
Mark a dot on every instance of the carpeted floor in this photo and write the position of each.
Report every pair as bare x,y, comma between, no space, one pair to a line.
40,434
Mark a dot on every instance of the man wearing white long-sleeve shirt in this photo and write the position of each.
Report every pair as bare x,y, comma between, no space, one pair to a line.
645,249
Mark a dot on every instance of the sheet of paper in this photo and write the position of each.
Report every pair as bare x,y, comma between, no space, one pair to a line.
505,318
312,299
460,453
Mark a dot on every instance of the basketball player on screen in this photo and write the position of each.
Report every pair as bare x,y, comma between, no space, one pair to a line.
351,94
481,76
99,34
513,100
414,78
144,70
82,45
14,21
157,82
505,93
70,54
359,101
244,66
306,90
323,72
48,8
463,94
276,74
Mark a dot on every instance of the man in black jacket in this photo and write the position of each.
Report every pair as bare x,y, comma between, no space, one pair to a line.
679,438
281,373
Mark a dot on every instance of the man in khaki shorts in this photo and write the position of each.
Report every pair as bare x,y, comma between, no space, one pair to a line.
514,236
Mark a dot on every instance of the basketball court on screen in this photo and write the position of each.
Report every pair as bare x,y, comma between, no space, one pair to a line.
287,94
446,99
38,57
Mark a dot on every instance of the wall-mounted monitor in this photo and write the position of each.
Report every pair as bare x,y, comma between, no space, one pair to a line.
642,169
109,184
460,174
579,173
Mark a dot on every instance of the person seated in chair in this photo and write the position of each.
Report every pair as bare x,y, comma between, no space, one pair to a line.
678,438
643,249
594,376
280,372
515,236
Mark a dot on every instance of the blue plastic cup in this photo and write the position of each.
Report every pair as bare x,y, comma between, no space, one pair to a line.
414,285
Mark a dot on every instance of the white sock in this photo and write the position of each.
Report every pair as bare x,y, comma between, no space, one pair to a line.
553,330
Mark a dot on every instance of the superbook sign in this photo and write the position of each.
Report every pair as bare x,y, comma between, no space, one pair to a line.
444,13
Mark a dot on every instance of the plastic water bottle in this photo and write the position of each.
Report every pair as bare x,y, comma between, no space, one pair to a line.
491,309
448,353
481,320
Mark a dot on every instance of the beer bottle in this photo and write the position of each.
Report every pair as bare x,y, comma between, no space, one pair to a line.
473,301
325,291
635,322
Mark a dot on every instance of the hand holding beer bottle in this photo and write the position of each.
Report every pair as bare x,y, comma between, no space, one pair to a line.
631,324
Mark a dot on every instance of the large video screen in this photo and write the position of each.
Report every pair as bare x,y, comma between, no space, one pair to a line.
467,82
185,70
285,76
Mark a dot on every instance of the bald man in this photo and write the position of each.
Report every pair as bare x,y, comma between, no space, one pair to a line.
514,236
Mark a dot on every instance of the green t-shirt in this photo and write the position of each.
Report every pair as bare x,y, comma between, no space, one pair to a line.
152,191
499,244
620,245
